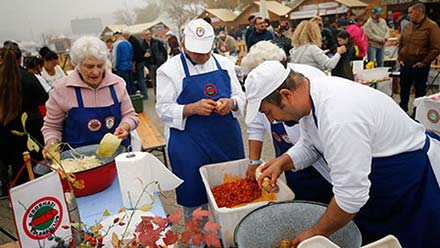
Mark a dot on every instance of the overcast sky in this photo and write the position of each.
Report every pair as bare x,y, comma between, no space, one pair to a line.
28,19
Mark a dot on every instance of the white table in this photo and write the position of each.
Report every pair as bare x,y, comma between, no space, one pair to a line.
93,206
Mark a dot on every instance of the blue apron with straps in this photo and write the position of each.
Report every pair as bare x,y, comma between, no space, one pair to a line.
206,139
87,125
308,184
404,200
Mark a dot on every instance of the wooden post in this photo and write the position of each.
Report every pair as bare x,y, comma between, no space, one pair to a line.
27,160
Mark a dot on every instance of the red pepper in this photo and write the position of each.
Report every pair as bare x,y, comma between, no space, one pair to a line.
44,217
235,193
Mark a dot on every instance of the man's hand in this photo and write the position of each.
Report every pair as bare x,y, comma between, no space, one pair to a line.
274,168
419,65
202,107
401,63
250,172
224,106
306,234
333,219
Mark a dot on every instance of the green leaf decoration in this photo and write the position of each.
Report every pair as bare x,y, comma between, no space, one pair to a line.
32,145
77,226
54,152
24,117
15,132
106,213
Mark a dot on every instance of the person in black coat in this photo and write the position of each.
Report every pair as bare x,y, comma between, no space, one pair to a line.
138,60
343,68
259,33
155,55
20,91
281,40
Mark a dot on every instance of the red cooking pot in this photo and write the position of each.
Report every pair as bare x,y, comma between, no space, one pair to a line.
95,179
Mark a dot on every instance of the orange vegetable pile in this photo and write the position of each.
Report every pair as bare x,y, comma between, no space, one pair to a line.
235,193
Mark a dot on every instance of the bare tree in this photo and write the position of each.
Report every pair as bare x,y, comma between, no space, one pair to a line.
180,12
228,4
148,13
124,16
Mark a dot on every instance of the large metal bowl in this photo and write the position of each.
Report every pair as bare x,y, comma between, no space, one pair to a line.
268,225
95,179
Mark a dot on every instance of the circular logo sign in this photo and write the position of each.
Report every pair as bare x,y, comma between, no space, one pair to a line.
276,137
109,122
286,138
200,31
43,218
433,116
94,125
210,90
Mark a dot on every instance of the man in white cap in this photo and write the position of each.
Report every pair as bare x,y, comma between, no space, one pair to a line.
308,184
198,100
382,180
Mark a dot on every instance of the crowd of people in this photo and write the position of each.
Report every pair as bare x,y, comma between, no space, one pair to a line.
340,143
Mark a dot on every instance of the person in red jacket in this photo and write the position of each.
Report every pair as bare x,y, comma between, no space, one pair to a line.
358,36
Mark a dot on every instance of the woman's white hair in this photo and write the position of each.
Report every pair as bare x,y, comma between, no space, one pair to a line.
260,52
86,47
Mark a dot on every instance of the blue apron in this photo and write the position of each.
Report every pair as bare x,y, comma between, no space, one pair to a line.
308,184
404,200
86,126
206,139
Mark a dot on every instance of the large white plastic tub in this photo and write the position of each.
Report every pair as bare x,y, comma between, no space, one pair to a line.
373,74
228,218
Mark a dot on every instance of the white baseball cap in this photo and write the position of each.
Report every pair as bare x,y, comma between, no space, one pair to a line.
261,82
199,36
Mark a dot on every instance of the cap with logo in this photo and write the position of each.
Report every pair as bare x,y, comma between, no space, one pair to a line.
260,83
199,36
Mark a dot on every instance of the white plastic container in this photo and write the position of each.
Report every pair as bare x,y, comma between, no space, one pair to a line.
317,242
373,74
228,218
388,242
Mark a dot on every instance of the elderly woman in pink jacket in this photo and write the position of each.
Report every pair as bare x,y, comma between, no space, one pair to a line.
90,102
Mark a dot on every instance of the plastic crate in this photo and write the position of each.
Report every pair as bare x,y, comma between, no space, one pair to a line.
228,218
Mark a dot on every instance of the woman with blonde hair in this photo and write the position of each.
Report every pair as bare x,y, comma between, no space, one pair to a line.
307,41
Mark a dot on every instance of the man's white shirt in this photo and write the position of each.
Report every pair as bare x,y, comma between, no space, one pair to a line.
169,86
355,124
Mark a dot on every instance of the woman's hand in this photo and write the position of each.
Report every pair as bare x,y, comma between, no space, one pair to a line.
50,143
274,168
341,50
122,131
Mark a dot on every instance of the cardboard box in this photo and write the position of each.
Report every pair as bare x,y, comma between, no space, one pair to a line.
228,218
428,111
